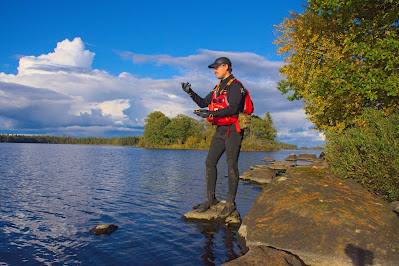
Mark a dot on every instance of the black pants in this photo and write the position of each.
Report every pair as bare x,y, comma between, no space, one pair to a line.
225,139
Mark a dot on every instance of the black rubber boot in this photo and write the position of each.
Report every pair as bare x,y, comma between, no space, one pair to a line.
227,210
233,184
203,207
210,193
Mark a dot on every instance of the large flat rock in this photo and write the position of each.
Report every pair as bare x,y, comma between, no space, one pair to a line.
324,220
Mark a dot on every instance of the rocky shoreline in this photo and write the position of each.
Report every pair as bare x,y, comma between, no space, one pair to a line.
306,216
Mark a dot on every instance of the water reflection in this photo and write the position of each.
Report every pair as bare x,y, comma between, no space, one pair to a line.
210,232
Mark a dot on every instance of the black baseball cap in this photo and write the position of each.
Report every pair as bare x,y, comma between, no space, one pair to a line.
221,61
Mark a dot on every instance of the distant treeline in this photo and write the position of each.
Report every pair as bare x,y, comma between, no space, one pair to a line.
129,141
286,146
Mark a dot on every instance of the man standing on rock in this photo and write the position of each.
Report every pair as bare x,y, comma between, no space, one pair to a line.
224,104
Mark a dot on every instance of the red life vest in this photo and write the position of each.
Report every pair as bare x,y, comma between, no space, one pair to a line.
221,102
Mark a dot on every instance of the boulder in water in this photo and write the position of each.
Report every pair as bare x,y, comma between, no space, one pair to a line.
103,229
292,157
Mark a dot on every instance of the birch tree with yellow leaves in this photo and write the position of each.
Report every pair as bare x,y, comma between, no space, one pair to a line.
341,56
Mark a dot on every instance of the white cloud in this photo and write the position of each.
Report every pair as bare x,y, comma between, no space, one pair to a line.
60,92
66,54
293,127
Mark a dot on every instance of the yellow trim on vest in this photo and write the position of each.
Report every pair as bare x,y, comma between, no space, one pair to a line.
227,85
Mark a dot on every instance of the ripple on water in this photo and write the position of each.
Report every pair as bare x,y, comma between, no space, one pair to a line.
51,195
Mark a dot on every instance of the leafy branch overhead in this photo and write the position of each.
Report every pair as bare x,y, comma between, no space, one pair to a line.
341,56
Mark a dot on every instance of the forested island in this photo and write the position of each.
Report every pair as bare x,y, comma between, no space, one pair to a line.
184,132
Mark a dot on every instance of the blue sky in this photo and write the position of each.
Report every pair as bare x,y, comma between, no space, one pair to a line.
98,68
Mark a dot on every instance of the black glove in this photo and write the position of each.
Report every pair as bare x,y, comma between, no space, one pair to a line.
204,113
186,87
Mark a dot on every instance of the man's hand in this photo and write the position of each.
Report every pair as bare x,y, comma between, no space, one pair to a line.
204,113
186,87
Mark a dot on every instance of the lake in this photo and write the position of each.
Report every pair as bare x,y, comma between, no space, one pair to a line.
52,195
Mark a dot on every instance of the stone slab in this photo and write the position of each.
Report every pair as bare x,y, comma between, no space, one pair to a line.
212,215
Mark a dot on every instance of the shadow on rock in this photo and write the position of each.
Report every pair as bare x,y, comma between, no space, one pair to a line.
359,256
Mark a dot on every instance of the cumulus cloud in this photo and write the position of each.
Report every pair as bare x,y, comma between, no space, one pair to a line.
68,55
60,93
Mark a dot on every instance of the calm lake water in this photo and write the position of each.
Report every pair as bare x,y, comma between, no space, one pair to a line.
52,195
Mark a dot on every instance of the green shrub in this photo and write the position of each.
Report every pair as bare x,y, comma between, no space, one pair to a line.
368,153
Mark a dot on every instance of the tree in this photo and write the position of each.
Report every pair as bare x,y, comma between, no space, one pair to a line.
155,123
181,127
341,57
262,129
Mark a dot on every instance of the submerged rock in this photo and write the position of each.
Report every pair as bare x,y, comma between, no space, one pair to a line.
103,229
325,220
213,215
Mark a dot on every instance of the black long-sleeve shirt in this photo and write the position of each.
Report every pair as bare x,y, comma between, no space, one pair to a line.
235,97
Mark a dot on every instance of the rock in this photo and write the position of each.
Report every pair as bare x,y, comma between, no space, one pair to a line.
285,164
263,255
291,157
268,159
322,155
261,175
264,174
103,229
395,206
213,215
307,157
324,220
280,167
256,167
318,163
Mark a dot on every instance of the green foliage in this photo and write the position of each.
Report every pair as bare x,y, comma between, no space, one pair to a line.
179,132
287,146
341,57
154,133
318,148
183,132
262,128
181,127
261,134
368,153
